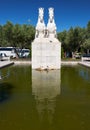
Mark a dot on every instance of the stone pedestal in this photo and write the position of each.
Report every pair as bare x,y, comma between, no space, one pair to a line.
46,53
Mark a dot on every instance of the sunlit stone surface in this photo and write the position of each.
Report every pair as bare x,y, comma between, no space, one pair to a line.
46,48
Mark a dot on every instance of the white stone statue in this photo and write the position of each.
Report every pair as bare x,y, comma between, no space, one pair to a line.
41,14
46,48
51,15
51,26
40,27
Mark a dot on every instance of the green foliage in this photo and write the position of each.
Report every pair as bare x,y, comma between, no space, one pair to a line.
8,33
86,44
1,35
16,35
88,29
75,39
62,52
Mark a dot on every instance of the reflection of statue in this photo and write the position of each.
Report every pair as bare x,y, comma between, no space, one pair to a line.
51,26
40,27
45,88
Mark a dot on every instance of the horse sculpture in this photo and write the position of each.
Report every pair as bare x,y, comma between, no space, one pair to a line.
51,15
51,26
40,27
41,14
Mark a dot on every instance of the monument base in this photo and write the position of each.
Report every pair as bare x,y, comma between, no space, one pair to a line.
46,53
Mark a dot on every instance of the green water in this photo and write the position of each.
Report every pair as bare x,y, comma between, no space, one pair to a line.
55,100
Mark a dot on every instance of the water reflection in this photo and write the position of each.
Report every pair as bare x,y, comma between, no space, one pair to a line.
5,91
45,88
84,73
4,73
5,87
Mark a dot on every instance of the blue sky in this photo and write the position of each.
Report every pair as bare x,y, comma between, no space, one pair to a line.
67,12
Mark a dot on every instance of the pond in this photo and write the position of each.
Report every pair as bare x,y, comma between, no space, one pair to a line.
48,100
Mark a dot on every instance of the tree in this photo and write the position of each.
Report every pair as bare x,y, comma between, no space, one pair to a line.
21,36
88,30
29,33
1,35
69,42
86,45
8,33
62,38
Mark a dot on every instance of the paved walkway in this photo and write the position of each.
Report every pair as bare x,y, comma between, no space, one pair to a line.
69,62
85,63
22,62
8,63
5,63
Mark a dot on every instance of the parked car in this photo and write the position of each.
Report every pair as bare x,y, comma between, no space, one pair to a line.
86,57
77,55
9,51
3,56
23,53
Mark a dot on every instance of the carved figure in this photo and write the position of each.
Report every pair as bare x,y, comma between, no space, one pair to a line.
51,14
51,26
40,27
41,14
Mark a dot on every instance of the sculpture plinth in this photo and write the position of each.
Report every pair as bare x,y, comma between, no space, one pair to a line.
46,48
